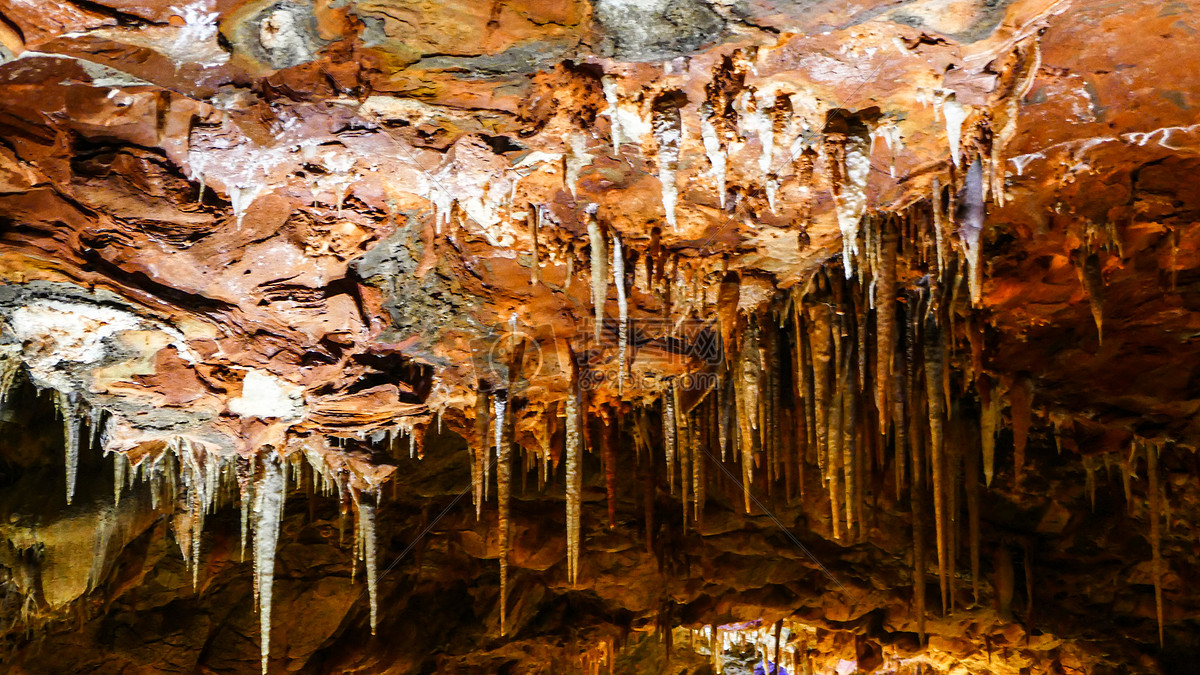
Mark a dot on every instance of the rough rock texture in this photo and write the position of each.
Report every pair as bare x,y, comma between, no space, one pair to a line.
898,350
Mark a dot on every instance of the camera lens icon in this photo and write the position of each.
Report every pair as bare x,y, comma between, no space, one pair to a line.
514,347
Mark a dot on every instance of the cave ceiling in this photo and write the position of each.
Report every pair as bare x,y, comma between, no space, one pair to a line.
524,336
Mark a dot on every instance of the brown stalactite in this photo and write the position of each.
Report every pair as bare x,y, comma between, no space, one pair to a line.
937,459
1019,399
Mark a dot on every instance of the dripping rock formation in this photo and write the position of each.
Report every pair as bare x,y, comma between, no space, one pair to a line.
656,336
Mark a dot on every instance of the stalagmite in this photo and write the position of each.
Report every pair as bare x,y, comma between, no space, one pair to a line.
618,267
599,271
268,511
1155,498
934,354
574,480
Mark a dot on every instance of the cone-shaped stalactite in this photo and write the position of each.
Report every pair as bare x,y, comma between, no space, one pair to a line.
608,451
479,453
1019,399
269,492
599,272
934,355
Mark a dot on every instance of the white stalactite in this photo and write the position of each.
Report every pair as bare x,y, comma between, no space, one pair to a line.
851,201
715,154
68,408
369,548
955,115
599,257
269,493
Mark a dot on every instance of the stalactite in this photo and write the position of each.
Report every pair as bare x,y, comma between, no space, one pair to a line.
1019,399
885,308
970,215
269,493
850,449
819,342
955,115
684,439
713,150
934,395
608,441
599,271
726,405
120,469
648,486
1155,498
851,196
899,423
699,478
916,487
366,525
989,422
575,160
1093,283
574,487
834,459
669,429
941,236
535,270
68,409
479,449
503,492
971,485
745,392
618,266
667,127
246,502
611,97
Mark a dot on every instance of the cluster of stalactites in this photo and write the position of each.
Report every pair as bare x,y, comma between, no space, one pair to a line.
199,480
